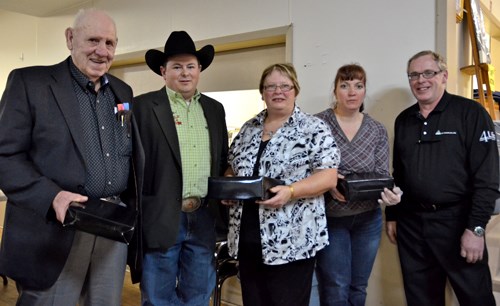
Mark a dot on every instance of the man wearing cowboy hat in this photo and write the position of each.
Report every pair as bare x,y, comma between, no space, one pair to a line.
185,139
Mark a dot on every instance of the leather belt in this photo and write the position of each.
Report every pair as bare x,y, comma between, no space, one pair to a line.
191,204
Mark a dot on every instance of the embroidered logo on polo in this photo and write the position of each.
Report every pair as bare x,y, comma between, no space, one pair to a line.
439,133
487,136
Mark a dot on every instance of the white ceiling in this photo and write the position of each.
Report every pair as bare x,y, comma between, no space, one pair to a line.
39,8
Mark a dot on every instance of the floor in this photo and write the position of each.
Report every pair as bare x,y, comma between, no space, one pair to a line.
130,297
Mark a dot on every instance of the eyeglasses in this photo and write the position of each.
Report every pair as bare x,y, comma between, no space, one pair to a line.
427,74
283,87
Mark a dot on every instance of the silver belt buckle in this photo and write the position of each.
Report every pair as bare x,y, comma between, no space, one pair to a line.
190,204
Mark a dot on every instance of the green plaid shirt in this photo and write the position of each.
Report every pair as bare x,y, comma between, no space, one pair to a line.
194,143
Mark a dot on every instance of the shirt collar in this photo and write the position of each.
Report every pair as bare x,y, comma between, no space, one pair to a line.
83,80
443,103
176,97
440,107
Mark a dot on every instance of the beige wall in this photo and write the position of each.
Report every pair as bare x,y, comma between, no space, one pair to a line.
326,34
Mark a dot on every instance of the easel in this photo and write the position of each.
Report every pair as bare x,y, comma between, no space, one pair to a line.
480,70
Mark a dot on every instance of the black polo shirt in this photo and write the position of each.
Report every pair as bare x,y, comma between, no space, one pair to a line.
450,156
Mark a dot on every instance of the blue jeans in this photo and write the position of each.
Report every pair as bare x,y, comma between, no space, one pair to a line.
185,273
343,267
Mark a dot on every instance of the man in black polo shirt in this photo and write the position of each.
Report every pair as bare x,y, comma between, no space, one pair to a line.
446,161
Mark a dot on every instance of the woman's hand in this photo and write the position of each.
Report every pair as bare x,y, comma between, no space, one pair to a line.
229,172
314,185
229,202
283,195
336,195
390,197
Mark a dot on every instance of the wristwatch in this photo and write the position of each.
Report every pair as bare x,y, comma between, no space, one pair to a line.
477,230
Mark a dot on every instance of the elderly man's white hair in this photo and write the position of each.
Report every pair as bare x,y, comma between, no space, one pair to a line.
83,13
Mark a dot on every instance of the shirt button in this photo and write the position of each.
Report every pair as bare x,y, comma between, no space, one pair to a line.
425,133
109,183
102,127
107,154
425,123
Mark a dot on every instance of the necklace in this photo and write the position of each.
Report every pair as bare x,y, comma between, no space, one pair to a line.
269,133
270,128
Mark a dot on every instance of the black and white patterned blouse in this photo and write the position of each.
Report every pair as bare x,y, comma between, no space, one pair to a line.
303,144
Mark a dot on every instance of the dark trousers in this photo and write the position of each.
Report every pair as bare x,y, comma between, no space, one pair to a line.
429,251
276,285
269,285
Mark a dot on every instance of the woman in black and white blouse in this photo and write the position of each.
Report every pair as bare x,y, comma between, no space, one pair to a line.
276,240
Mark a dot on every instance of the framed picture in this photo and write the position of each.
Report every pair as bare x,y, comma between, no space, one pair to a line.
483,40
459,7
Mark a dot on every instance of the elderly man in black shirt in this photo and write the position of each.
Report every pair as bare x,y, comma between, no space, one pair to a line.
446,161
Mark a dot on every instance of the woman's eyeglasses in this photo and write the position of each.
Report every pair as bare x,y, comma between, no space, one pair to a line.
283,87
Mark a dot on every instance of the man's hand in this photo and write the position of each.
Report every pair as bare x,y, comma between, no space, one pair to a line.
471,247
390,230
390,197
63,199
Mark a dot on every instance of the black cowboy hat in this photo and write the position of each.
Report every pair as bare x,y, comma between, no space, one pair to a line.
179,42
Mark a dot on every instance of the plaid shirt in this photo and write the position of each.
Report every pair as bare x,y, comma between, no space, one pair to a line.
367,152
194,143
